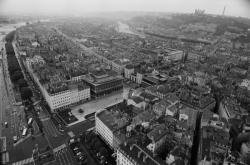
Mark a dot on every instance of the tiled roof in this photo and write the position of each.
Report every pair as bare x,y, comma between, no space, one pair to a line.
148,96
137,99
139,155
129,66
158,132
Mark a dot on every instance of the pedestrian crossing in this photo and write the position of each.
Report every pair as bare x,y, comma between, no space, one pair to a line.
59,148
5,157
3,144
23,162
63,155
50,128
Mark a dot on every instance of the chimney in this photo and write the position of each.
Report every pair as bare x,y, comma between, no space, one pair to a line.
139,154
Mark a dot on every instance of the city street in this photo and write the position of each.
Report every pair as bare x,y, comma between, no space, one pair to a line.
8,113
63,156
13,114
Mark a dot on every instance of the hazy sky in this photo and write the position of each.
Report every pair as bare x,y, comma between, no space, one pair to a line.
233,7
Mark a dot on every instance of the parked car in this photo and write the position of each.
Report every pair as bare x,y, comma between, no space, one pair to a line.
6,124
15,139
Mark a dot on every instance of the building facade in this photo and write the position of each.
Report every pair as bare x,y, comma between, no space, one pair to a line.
103,84
75,93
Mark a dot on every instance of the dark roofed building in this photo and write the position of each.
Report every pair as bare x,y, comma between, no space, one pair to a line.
131,153
215,141
196,99
102,83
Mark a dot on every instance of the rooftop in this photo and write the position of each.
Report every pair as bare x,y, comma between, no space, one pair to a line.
113,120
139,155
148,96
158,132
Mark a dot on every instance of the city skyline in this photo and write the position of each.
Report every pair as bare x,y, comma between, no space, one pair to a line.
64,7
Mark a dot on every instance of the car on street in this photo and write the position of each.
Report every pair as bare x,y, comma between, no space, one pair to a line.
6,124
15,139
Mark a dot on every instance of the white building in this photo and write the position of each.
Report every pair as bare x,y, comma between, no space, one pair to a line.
131,74
128,70
107,124
78,78
37,59
245,83
137,102
103,129
68,97
122,159
174,55
230,108
119,65
75,93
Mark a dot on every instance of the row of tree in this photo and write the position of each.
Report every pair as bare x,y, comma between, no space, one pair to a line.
95,144
15,71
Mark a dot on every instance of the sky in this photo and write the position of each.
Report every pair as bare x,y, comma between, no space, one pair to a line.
59,7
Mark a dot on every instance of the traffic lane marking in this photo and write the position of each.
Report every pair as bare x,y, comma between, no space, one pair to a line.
61,155
66,155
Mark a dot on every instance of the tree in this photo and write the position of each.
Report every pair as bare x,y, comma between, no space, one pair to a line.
93,142
98,144
81,110
9,37
22,83
103,152
16,76
26,93
89,136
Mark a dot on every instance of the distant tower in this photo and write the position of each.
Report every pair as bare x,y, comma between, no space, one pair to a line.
224,10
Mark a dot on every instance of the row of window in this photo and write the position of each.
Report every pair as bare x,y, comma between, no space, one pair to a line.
122,160
104,131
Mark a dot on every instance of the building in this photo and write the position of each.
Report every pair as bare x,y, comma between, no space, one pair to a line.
196,97
73,94
137,102
26,35
241,42
103,83
215,141
245,83
173,55
167,106
133,74
107,124
230,108
160,91
246,125
153,79
131,153
128,70
36,60
119,65
160,108
62,94
157,136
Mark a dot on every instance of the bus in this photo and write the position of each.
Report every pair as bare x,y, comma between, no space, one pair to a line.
30,121
24,132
